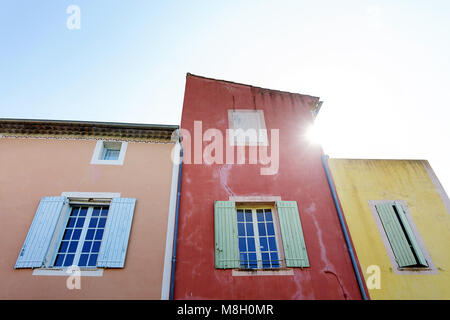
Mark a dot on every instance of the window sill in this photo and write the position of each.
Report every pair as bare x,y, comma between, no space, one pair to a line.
273,272
63,272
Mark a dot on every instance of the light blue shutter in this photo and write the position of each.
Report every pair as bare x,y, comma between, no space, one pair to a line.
117,232
292,234
225,235
395,235
40,234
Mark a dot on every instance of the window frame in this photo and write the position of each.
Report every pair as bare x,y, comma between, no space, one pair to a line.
262,137
99,151
90,199
256,201
84,229
279,242
431,269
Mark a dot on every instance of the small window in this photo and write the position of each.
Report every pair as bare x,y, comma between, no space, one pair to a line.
247,128
109,152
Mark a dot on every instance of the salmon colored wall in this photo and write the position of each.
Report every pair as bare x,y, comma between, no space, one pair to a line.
33,168
357,182
301,178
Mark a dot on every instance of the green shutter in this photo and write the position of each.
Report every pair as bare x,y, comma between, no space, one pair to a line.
291,232
225,231
412,238
395,234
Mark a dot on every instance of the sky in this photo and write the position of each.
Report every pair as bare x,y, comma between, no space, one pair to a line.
382,68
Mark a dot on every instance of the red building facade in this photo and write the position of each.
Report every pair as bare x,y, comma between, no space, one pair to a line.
214,172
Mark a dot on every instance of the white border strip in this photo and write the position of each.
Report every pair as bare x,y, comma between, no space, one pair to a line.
167,271
59,272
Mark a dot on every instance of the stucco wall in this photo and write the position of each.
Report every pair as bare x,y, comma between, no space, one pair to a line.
359,181
33,168
301,178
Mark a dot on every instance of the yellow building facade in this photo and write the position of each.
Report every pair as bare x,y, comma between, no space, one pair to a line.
412,186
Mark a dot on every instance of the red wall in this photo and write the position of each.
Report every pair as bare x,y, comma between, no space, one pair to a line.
301,177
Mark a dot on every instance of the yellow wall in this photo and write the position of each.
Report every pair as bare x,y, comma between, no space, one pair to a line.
357,182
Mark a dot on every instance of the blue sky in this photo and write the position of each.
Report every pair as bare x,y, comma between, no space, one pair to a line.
382,68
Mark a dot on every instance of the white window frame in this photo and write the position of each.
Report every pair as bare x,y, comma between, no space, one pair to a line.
99,151
276,225
239,138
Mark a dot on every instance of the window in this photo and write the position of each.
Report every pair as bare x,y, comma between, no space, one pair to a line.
109,152
257,239
247,127
259,236
405,248
82,237
78,230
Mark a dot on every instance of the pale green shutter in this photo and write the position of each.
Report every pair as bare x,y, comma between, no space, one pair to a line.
292,234
395,235
412,238
225,234
41,232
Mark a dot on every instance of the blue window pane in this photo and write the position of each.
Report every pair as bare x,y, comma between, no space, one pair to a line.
87,246
73,246
93,260
83,260
252,260
240,215
80,223
242,245
59,260
69,260
74,211
111,154
263,243
249,228
270,230
259,211
99,234
76,234
274,258
96,246
96,211
64,246
67,235
251,244
272,244
101,223
241,229
90,234
260,216
83,212
93,223
104,211
248,216
244,260
269,215
71,223
265,260
262,229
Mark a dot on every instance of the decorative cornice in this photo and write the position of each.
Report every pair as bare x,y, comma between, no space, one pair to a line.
87,130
